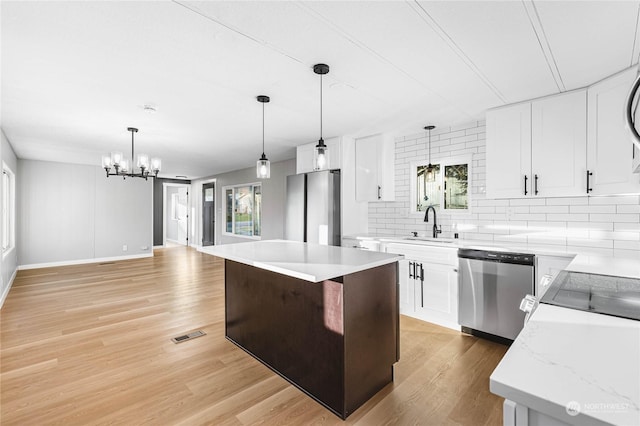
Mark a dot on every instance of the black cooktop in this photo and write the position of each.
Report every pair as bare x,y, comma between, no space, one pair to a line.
602,294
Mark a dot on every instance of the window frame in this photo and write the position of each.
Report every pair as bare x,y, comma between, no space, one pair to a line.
8,209
225,223
443,162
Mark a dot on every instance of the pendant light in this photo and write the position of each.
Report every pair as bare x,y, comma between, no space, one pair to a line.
430,174
263,166
321,153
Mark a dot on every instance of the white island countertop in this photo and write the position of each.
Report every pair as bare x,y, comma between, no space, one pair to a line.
306,261
565,356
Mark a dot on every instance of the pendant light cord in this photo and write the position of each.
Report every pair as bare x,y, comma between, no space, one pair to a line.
321,107
429,146
263,129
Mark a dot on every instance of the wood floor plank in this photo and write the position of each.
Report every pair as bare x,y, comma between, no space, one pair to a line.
90,344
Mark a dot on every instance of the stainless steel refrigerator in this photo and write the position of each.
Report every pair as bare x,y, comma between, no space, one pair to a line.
313,208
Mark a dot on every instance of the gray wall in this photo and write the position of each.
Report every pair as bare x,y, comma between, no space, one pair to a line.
8,263
158,215
273,200
74,212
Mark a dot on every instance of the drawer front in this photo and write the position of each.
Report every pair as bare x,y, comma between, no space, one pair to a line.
424,253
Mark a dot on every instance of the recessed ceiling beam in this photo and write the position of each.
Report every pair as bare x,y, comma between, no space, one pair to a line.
538,29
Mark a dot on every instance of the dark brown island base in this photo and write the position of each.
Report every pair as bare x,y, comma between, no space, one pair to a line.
325,318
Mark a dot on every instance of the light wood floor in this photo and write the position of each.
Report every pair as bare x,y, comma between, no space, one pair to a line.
89,344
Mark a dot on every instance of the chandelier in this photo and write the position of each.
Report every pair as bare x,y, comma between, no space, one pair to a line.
124,168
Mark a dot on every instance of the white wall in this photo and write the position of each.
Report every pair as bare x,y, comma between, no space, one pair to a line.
586,224
71,212
273,201
8,262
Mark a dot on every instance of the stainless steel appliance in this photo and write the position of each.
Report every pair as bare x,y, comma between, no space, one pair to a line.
602,294
491,285
313,208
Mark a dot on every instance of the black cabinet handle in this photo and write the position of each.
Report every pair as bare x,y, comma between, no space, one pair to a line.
525,184
589,189
421,286
412,267
379,189
535,184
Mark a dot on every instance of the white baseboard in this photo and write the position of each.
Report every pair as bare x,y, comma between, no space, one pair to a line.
83,261
5,293
158,247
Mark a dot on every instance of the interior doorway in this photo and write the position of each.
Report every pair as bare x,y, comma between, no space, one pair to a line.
208,214
175,223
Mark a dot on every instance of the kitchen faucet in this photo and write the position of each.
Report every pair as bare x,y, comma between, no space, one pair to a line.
436,230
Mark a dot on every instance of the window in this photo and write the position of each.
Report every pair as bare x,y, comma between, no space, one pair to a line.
8,209
449,192
243,210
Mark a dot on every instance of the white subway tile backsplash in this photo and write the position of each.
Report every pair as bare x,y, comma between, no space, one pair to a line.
589,242
628,208
593,209
618,217
594,224
549,209
527,202
621,199
628,245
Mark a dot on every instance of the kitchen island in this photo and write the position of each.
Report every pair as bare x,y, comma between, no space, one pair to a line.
325,318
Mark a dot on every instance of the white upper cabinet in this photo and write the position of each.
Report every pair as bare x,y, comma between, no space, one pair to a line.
375,168
509,151
304,155
558,145
610,152
538,148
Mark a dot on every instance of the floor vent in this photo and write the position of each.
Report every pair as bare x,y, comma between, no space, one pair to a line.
107,263
189,336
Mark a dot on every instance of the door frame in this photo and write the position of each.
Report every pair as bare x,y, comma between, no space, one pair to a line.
165,185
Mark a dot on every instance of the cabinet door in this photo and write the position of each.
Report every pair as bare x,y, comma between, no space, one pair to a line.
375,165
304,158
368,186
509,151
609,148
407,284
438,298
559,145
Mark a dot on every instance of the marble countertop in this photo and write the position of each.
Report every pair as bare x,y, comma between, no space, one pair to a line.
596,264
306,261
565,356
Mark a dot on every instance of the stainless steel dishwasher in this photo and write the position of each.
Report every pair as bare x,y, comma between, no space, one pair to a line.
491,285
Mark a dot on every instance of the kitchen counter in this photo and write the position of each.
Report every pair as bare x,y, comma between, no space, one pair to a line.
306,261
325,318
567,356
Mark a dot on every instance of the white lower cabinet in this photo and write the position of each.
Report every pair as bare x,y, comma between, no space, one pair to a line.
514,414
428,279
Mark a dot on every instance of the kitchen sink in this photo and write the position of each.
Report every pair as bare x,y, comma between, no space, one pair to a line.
430,239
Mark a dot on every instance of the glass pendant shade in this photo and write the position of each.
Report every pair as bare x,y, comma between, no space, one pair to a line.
124,166
116,158
430,174
156,165
321,156
263,168
106,162
143,162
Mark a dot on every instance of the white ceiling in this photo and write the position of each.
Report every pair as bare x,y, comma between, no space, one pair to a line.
76,74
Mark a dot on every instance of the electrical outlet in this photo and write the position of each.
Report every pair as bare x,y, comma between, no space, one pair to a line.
144,248
125,248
